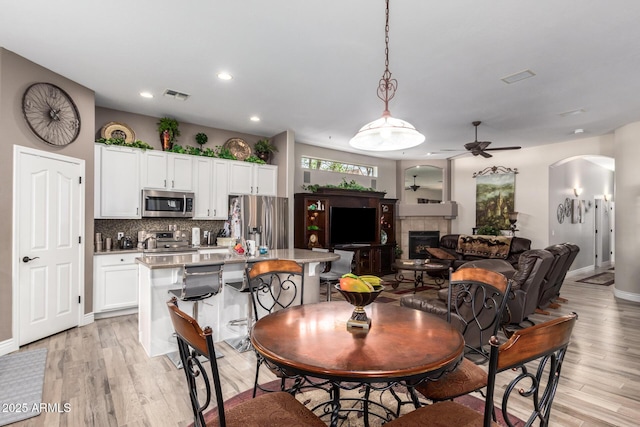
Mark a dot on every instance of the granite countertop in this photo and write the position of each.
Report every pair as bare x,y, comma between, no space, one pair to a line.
303,256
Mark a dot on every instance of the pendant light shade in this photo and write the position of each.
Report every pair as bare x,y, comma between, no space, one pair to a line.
387,133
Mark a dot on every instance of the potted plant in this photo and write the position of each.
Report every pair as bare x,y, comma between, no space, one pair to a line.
264,148
488,230
201,139
168,130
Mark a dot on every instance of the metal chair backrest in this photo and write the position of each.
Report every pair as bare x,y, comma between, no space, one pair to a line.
536,354
193,342
200,282
344,264
477,301
274,285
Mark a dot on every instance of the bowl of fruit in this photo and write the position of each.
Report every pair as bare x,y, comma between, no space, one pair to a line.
359,291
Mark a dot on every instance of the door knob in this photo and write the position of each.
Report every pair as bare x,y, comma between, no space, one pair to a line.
27,259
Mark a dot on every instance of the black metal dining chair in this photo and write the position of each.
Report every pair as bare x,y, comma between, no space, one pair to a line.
274,285
273,409
534,355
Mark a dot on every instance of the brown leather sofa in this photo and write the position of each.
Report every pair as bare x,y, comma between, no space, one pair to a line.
527,279
449,244
564,254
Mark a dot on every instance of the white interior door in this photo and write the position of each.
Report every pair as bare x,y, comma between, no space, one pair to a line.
49,208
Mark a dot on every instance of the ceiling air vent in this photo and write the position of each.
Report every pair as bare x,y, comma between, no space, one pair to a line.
176,95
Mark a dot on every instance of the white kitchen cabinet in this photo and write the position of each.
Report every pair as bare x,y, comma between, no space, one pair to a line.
167,171
220,204
251,178
210,184
115,281
117,182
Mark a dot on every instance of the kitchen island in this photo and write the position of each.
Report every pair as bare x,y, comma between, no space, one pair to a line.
157,274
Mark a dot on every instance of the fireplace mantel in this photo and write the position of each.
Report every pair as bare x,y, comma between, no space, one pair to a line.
448,210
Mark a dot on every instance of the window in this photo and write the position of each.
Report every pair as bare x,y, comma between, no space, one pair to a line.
335,166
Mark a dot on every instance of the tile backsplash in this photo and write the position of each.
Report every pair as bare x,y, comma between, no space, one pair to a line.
130,227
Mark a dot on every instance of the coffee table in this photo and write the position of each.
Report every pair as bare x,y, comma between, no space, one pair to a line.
437,270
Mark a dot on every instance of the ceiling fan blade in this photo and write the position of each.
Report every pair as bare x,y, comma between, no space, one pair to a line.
477,145
471,145
485,154
503,148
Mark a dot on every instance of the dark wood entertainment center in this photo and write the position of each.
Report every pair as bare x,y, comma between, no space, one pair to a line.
312,226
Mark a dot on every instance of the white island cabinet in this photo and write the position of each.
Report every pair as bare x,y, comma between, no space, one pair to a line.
159,274
115,279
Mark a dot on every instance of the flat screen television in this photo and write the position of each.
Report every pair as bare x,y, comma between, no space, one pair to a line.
352,225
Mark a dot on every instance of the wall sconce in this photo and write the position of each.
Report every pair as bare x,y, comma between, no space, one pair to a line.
577,191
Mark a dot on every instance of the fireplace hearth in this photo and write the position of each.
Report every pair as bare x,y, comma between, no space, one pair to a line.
419,241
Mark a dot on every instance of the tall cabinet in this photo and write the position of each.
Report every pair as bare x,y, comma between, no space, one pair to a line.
312,227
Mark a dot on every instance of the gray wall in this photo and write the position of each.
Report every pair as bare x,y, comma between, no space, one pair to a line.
16,74
594,181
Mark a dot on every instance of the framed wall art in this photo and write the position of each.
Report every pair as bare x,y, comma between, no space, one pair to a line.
495,196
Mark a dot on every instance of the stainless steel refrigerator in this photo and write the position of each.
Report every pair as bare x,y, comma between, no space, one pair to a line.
264,219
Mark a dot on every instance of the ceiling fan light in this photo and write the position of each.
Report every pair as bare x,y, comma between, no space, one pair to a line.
386,134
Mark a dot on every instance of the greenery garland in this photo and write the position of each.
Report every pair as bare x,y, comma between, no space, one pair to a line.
120,141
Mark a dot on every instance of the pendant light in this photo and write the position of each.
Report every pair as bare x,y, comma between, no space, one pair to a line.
414,187
386,133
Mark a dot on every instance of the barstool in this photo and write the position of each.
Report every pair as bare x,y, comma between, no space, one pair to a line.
199,282
243,343
337,269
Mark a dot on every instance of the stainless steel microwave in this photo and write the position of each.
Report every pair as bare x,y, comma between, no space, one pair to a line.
167,204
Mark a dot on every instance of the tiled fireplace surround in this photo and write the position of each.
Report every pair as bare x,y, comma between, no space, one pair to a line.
419,223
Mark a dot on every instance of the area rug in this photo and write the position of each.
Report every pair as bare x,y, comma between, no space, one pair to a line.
21,380
603,279
313,397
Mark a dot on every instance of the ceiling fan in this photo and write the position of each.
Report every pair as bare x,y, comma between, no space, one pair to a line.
480,147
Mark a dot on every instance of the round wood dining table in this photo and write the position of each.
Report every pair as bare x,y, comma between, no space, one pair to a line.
403,346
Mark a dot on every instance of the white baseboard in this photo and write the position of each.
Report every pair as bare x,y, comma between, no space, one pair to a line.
628,296
582,270
8,346
114,313
87,319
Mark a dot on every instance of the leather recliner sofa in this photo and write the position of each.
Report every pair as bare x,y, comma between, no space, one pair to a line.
449,244
527,278
564,254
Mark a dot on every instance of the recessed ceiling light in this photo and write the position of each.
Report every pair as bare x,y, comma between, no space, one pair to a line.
255,119
146,94
224,76
577,131
516,77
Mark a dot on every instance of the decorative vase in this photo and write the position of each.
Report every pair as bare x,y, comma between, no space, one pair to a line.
165,140
262,155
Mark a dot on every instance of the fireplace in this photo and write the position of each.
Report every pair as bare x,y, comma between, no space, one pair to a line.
419,241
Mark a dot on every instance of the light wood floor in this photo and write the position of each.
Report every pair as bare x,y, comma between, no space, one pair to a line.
103,372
